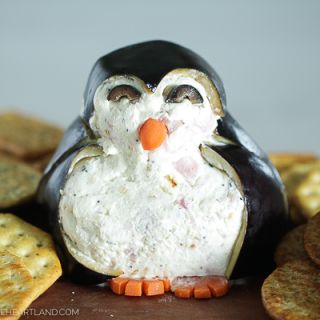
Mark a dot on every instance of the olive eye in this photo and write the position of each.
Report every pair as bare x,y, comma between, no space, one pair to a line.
123,90
182,92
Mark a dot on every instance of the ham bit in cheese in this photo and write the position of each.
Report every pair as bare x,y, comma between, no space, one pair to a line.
188,167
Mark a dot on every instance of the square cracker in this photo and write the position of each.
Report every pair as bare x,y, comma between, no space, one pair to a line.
18,183
17,287
306,197
34,246
26,137
295,174
284,160
292,178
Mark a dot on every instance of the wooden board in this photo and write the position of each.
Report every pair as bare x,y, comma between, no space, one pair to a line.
93,302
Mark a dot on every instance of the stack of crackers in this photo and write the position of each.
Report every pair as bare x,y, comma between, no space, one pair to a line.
26,146
292,291
28,260
300,174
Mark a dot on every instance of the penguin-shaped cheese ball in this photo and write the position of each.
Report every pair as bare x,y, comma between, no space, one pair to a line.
156,179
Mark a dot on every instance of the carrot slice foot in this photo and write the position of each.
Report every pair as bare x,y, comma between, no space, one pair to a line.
134,288
218,286
200,287
153,287
166,284
118,285
184,292
201,291
131,287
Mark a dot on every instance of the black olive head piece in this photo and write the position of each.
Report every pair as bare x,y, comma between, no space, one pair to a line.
182,92
123,91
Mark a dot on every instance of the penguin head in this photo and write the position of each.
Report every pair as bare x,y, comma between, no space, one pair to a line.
178,114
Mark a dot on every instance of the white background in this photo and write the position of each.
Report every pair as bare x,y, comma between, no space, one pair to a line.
266,52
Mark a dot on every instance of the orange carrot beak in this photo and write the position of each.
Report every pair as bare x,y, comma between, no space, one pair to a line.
152,134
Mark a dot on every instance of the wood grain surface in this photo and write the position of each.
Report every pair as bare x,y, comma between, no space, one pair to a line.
66,300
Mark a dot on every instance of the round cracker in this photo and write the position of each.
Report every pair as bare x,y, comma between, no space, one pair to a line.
18,183
290,247
292,291
311,238
26,137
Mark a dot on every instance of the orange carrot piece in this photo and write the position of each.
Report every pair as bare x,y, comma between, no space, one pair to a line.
202,291
184,292
152,134
134,288
218,286
118,285
153,287
166,284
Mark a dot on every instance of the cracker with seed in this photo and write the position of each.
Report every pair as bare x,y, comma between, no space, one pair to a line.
292,177
311,238
290,247
18,183
292,291
27,138
283,161
306,197
34,246
17,287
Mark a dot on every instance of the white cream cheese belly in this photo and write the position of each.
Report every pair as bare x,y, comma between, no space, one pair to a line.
150,225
